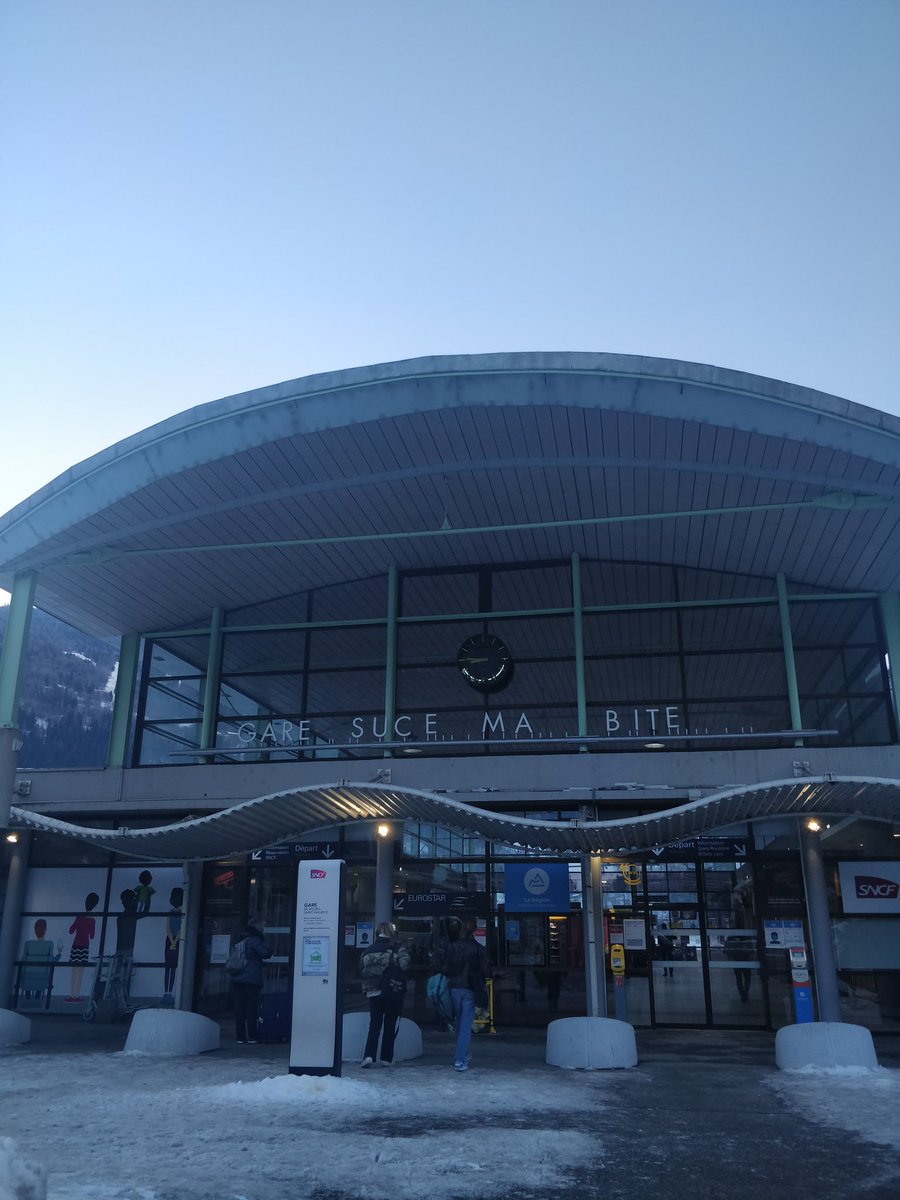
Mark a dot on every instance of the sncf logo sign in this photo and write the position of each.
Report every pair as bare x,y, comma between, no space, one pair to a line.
316,874
871,887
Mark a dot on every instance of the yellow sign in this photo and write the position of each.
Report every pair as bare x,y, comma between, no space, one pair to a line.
617,959
631,873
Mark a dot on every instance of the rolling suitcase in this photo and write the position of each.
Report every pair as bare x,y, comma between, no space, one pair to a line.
274,1022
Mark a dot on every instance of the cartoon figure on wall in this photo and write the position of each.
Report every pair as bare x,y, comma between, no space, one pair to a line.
83,927
37,957
174,921
144,891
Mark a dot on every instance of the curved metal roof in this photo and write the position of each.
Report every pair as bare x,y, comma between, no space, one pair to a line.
446,461
301,811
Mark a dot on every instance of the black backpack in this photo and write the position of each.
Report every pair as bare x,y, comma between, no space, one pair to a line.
393,978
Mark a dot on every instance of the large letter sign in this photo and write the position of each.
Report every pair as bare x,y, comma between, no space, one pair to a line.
317,1017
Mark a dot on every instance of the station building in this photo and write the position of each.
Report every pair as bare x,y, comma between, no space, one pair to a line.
598,650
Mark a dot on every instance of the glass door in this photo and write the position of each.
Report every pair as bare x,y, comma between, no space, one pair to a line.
678,983
706,967
736,987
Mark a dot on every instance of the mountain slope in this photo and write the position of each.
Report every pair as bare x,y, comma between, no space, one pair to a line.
65,705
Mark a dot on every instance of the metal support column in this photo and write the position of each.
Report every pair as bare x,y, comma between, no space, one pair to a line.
11,923
790,666
384,877
193,878
580,693
123,700
890,620
594,957
211,687
390,661
819,925
11,660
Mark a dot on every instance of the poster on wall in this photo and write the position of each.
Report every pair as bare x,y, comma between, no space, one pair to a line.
365,932
870,887
634,934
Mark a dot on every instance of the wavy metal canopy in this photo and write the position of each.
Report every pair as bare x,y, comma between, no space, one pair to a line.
299,812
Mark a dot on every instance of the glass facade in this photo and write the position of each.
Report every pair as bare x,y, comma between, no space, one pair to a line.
645,653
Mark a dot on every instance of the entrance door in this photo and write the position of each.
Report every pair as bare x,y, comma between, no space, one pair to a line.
705,969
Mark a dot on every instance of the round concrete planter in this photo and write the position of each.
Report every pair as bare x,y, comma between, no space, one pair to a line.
591,1043
169,1032
408,1043
14,1028
824,1044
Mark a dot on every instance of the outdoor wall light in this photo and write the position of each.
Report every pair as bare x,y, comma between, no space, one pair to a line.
654,746
813,825
12,837
384,830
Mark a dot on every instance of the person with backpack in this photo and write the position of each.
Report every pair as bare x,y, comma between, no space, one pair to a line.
245,967
383,968
465,964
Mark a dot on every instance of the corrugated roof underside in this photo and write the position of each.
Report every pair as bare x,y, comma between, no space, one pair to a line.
471,467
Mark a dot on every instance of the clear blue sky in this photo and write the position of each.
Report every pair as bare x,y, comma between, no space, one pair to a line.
205,196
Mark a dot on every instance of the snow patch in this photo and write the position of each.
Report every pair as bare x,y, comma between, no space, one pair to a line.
852,1099
19,1180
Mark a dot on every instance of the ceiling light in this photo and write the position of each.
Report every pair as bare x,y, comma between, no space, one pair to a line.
12,837
813,825
384,830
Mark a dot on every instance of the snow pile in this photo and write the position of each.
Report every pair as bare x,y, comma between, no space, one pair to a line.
19,1180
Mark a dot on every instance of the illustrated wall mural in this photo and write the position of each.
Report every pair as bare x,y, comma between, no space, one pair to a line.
102,941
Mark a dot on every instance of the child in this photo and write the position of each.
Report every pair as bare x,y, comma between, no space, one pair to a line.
144,891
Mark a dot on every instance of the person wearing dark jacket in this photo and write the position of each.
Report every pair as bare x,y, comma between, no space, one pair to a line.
248,984
385,1006
465,964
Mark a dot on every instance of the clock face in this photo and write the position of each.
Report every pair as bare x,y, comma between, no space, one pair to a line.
485,662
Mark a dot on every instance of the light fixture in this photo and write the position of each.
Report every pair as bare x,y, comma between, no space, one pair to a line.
410,749
384,830
654,746
813,825
12,837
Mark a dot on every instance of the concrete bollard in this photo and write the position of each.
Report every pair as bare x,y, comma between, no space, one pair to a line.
824,1044
170,1032
14,1028
408,1043
591,1043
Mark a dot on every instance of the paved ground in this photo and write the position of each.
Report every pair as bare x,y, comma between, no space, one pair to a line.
698,1119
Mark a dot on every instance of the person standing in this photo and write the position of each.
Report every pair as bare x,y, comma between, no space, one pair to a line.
465,964
385,992
248,982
